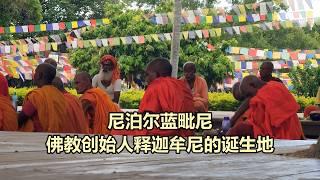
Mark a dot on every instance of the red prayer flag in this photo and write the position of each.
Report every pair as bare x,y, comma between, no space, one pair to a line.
205,33
62,26
1,30
294,55
31,28
229,18
252,52
263,17
93,22
197,20
243,29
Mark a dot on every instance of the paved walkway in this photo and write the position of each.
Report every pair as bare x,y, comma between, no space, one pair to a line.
23,156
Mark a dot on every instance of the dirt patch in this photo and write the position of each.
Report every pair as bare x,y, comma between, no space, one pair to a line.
312,152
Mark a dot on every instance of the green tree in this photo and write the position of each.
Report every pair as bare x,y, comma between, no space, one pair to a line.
71,10
20,12
133,58
306,81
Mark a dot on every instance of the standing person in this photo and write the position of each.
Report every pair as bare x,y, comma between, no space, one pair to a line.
198,86
266,70
108,78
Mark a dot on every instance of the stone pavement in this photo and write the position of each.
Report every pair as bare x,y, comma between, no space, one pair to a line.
23,156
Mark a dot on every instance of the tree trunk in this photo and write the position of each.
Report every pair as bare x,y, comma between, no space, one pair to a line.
175,44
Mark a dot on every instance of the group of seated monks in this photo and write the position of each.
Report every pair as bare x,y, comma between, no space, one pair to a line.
268,108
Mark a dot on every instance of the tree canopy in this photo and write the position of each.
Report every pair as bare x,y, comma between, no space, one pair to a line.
129,21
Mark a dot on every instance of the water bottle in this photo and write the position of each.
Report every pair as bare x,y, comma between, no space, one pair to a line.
14,100
226,125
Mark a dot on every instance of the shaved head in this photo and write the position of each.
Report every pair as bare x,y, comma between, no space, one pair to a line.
236,92
266,70
189,70
57,82
83,82
159,67
44,74
52,62
250,85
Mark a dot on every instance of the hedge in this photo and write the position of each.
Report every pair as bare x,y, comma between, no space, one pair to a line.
131,99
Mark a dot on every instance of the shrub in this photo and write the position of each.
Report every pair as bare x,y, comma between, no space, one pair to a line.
131,99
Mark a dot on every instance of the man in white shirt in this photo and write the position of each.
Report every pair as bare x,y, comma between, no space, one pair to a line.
108,78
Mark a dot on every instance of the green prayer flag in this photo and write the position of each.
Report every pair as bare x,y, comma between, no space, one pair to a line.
99,22
69,25
37,28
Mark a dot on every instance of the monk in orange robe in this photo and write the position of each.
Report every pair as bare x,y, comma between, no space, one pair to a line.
76,119
163,94
4,89
198,86
272,109
8,115
96,104
44,108
239,123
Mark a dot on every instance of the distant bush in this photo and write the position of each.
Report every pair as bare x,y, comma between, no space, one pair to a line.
131,99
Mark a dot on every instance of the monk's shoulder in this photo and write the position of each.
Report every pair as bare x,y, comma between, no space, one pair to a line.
202,80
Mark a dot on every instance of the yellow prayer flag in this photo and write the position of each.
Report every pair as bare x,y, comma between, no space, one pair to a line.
309,14
25,48
275,17
74,24
54,46
242,18
34,62
12,29
317,56
185,34
14,72
235,50
245,74
217,31
106,21
14,64
155,37
276,55
242,9
94,43
209,19
237,65
289,24
43,27
205,11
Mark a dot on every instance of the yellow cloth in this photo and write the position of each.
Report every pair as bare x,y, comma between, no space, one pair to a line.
8,115
51,109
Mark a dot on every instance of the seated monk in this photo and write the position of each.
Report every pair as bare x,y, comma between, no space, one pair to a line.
163,94
44,108
240,127
4,89
266,70
8,115
272,109
198,87
76,119
96,104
